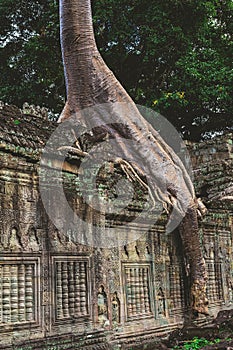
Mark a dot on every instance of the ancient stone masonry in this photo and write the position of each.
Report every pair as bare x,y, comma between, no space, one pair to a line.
70,288
213,170
59,293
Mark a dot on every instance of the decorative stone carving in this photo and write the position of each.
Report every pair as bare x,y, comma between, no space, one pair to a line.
175,287
230,291
14,241
19,287
71,289
115,310
32,241
137,289
103,318
161,303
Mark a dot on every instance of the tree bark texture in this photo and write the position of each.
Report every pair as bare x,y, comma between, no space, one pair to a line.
90,82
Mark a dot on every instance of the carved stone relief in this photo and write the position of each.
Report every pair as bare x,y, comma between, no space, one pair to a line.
14,243
137,281
161,303
71,296
115,310
19,285
103,317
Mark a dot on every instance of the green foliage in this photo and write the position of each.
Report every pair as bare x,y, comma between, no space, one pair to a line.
31,67
174,56
196,343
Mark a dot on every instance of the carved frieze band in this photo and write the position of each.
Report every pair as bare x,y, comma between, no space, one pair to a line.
19,281
71,297
137,278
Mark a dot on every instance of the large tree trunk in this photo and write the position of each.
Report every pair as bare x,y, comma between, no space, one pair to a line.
89,82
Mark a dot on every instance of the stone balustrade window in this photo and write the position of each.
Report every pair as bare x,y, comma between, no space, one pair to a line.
19,281
71,297
137,281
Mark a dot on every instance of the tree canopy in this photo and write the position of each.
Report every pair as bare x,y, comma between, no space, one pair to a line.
173,56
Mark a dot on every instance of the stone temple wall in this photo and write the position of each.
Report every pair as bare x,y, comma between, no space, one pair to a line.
213,172
57,293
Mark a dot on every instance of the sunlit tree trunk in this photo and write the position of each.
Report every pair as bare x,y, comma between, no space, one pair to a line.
88,79
89,82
